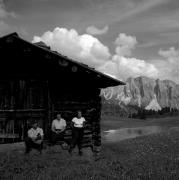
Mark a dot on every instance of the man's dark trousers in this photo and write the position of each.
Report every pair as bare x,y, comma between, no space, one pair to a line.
57,137
32,145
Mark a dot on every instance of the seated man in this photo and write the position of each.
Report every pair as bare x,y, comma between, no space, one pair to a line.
58,129
34,138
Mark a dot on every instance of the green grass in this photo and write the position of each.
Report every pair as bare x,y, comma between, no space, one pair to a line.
148,157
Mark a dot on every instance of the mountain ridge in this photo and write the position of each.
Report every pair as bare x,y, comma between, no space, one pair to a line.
144,92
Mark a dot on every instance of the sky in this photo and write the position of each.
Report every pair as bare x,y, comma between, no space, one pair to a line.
121,38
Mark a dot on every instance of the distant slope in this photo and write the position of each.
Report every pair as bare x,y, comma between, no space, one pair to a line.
153,105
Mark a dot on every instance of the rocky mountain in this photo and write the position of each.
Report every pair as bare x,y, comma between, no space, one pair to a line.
143,92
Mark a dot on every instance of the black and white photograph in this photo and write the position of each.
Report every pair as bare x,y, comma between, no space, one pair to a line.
89,89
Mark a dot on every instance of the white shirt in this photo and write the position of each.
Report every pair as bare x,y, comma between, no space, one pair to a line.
32,133
78,122
58,124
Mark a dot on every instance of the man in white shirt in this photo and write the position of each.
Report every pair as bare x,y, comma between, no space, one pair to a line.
34,138
58,129
77,132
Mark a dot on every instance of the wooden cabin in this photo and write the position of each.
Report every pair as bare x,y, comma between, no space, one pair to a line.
36,82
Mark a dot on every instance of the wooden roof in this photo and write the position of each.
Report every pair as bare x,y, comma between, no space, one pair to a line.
101,80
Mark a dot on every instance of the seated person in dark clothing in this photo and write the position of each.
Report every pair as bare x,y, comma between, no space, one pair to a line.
34,138
58,129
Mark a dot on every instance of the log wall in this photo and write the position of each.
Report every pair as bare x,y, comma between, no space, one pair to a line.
89,102
20,102
24,100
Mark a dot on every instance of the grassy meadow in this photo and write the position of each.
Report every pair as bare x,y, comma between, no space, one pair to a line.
154,156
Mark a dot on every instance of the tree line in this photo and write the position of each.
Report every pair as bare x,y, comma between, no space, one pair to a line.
137,112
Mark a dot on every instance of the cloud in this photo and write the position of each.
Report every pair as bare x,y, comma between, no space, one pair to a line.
43,0
170,54
122,67
125,44
95,31
169,65
133,8
84,48
3,27
89,50
129,66
4,13
23,31
132,67
110,68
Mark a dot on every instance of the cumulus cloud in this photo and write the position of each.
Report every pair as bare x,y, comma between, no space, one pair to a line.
133,67
123,66
125,44
109,68
88,49
84,48
96,31
169,65
170,54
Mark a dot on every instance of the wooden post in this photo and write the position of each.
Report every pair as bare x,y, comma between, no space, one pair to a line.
22,126
49,109
96,126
